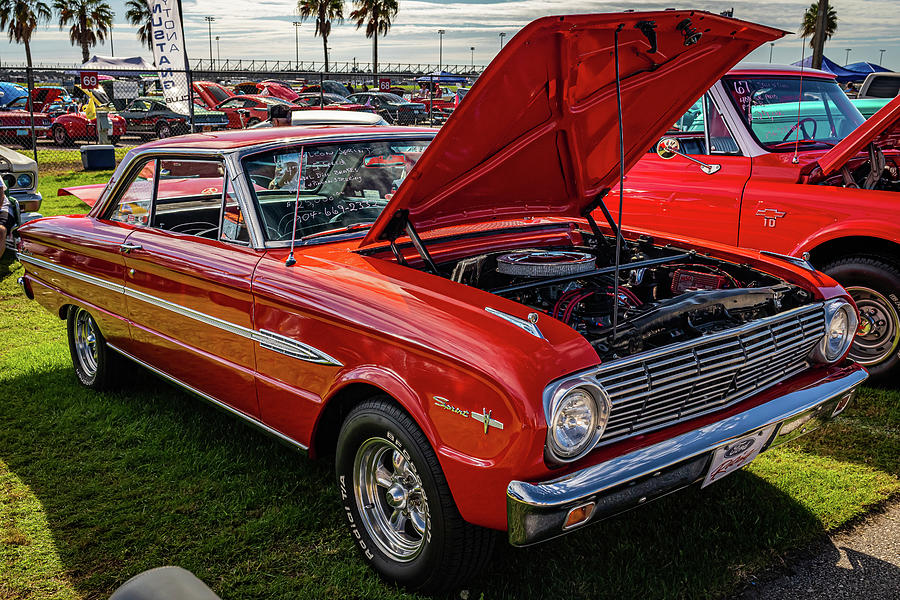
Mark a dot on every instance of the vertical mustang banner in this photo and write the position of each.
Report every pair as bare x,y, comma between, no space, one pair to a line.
170,55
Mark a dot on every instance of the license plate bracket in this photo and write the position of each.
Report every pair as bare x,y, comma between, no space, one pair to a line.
736,454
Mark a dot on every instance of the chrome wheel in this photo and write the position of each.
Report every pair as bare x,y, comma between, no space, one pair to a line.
390,498
86,342
878,336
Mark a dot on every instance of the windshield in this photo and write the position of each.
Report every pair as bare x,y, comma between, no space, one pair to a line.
393,98
218,93
778,116
342,186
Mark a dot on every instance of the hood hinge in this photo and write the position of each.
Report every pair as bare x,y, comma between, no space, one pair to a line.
400,223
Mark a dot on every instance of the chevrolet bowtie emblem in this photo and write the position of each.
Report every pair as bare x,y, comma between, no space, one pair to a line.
485,418
770,213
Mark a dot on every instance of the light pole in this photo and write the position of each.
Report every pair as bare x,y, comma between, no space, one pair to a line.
472,49
218,52
112,47
771,51
502,35
296,43
880,57
847,58
441,33
209,22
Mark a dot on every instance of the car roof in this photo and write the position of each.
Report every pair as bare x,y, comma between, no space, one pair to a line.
242,138
747,68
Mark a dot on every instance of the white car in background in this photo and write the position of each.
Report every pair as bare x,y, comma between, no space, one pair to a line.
20,174
329,117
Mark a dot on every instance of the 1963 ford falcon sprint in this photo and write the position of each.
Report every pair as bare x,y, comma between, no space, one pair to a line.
448,320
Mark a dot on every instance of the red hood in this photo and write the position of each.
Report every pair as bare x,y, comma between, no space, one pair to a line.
537,134
886,121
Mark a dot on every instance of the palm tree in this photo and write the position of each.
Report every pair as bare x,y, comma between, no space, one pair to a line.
808,27
20,18
90,22
376,15
138,14
324,11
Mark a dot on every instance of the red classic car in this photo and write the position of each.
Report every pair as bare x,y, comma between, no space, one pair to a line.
15,127
794,169
445,318
77,126
246,111
328,101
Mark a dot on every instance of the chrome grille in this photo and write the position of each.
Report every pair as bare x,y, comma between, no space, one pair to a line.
661,387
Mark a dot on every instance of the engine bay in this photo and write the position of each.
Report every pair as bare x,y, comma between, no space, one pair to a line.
876,172
664,295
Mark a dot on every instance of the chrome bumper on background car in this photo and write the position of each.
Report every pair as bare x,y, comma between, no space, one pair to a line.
539,511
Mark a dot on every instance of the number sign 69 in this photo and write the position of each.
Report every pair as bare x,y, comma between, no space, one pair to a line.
89,80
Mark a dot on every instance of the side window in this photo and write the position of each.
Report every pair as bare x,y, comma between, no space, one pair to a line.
692,120
720,139
233,227
133,205
189,197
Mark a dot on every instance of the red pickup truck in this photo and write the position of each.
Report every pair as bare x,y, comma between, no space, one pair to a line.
787,165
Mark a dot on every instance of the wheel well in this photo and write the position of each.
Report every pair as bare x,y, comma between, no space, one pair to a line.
848,246
324,440
64,311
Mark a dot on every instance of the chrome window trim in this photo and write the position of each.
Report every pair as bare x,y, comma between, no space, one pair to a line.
266,339
734,122
211,399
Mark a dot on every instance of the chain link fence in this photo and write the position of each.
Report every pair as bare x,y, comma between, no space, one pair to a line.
67,109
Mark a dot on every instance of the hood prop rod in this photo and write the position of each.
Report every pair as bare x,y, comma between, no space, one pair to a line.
618,230
586,213
399,223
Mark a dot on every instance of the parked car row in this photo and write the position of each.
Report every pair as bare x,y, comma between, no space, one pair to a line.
442,312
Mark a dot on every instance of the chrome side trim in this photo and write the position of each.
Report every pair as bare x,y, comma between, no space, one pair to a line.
190,313
218,403
38,262
520,323
291,347
267,339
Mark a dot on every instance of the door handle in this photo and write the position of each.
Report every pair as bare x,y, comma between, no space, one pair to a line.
128,247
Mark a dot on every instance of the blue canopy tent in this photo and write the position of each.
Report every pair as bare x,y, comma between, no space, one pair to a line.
442,77
10,92
829,66
866,68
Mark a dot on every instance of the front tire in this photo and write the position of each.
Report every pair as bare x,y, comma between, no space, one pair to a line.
91,357
163,131
874,284
60,136
398,504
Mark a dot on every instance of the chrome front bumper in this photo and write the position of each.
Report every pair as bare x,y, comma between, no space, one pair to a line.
537,511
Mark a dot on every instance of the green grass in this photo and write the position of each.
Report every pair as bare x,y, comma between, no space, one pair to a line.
97,487
53,159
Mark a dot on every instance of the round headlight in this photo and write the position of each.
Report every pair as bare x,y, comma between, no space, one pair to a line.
24,180
577,419
840,327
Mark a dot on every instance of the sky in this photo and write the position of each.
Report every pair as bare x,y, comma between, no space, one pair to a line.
261,29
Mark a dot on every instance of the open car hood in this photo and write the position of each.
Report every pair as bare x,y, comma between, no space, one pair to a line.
537,135
883,128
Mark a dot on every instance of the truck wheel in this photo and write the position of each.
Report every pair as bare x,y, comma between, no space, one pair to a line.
874,284
396,499
91,357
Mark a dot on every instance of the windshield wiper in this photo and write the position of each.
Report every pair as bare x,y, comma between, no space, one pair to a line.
344,229
789,143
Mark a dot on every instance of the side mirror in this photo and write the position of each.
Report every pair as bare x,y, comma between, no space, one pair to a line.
668,148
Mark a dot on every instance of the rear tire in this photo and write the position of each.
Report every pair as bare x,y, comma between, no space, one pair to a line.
91,357
164,130
61,136
398,504
874,284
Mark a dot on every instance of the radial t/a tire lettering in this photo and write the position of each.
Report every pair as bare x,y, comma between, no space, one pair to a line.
401,514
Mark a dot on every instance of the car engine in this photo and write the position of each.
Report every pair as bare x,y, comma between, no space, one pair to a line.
664,295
